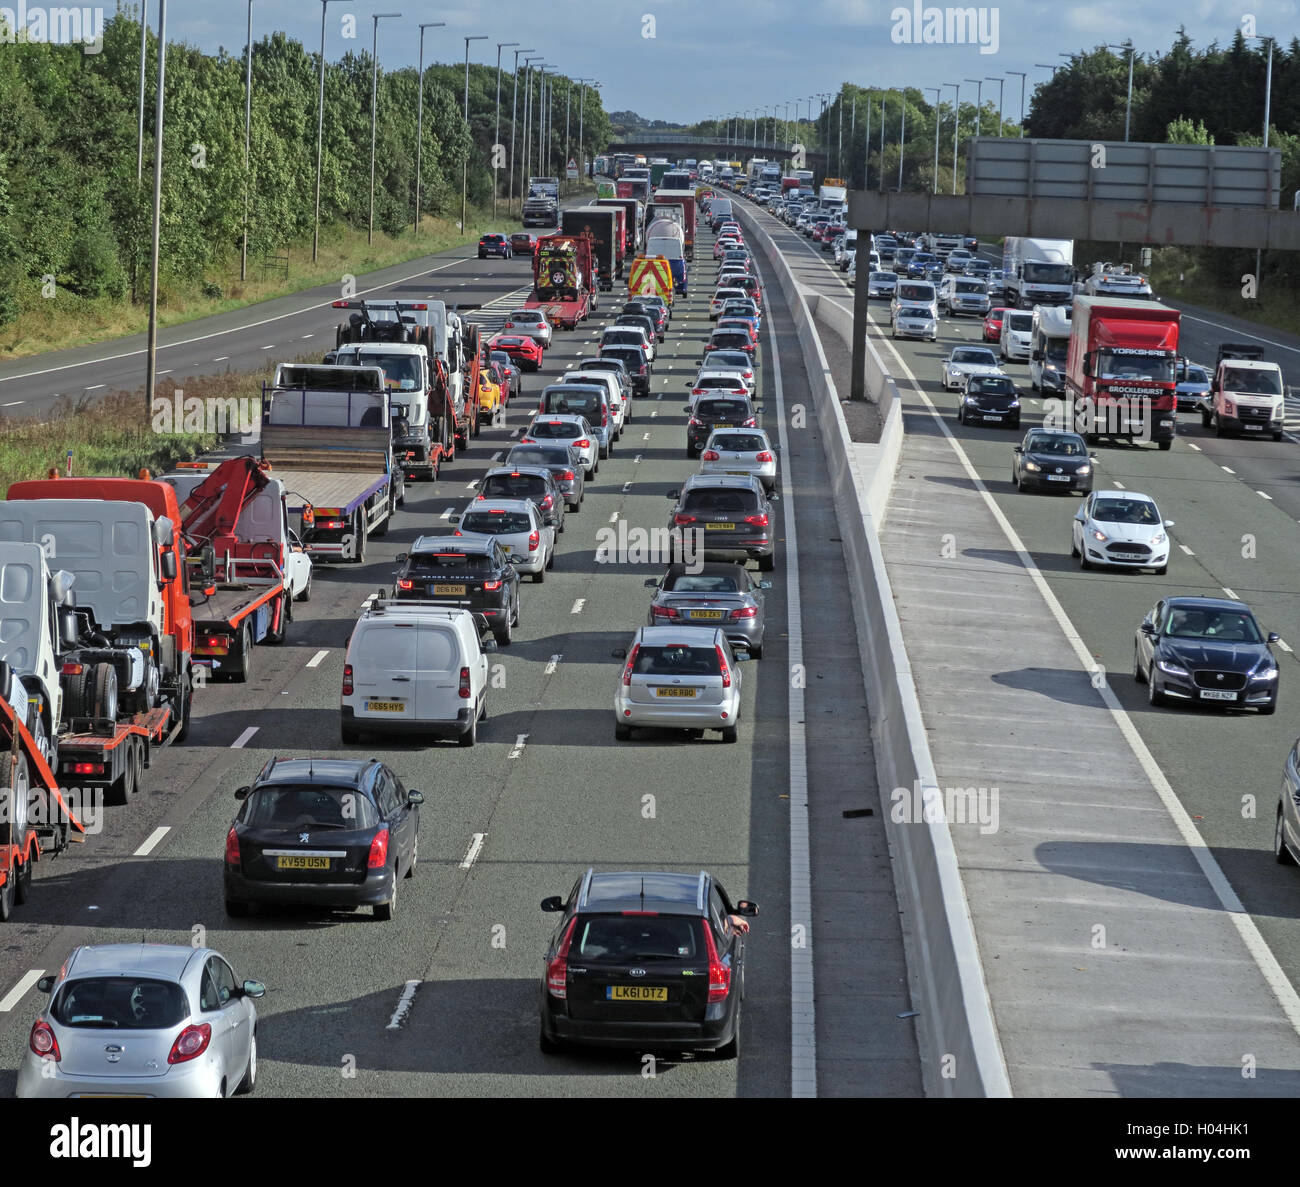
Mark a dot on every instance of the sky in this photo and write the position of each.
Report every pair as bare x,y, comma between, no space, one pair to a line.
683,60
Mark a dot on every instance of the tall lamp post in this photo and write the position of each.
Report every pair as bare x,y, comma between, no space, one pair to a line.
374,109
419,118
320,130
582,99
526,155
248,139
144,53
1021,75
514,97
979,105
464,168
496,131
1001,87
956,125
1268,102
1128,105
151,347
938,95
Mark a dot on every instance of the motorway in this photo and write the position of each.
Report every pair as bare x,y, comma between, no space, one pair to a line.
1137,935
442,1001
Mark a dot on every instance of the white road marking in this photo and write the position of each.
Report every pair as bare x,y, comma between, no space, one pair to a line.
627,486
403,1005
1119,485
151,841
1193,445
94,387
13,404
636,460
316,659
446,514
578,605
551,663
470,485
306,336
654,412
645,437
1187,550
240,742
1264,495
19,991
1226,470
1282,643
475,848
496,457
521,740
614,518
271,347
222,359
1231,593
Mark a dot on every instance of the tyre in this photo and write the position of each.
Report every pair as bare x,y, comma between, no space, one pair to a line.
385,911
1015,424
1280,851
23,883
185,695
548,1045
470,736
1074,548
1154,695
415,858
622,733
349,736
104,695
1165,446
1269,709
731,1050
9,894
1205,419
504,635
961,414
123,787
539,576
766,564
1139,674
1219,430
1276,437
247,1084
731,733
756,651
361,532
305,596
1084,563
17,796
550,560
244,672
1162,570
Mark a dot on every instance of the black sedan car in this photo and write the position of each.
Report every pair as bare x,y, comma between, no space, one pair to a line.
658,314
527,482
1206,650
706,413
462,573
634,362
645,960
323,832
563,462
1049,459
989,399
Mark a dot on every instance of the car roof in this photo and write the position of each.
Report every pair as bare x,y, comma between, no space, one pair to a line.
733,481
661,636
730,373
526,468
567,417
634,890
164,960
500,505
1123,494
1194,603
431,544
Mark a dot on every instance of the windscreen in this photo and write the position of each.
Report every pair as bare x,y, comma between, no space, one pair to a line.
514,486
703,583
1220,626
1125,511
1152,368
574,403
431,564
1022,323
719,500
1036,272
984,357
676,660
991,385
312,807
120,1003
1250,382
495,523
623,938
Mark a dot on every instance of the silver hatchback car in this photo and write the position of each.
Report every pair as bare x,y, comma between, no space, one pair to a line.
155,1020
741,451
684,678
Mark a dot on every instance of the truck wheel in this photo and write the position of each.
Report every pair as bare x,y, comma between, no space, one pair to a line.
244,672
185,701
382,529
123,787
1205,418
17,795
1277,436
1219,430
362,531
8,893
23,883
104,698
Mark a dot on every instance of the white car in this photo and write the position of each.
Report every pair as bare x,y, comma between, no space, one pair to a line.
566,429
531,323
1017,335
915,321
733,362
519,530
741,451
964,294
957,260
721,297
1121,528
629,336
718,383
882,284
964,361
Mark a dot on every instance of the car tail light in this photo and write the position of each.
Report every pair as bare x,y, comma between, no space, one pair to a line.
680,519
457,532
557,969
698,391
406,582
463,690
84,768
745,612
664,611
722,664
627,668
491,586
42,1041
604,417
765,456
378,858
750,423
190,1043
758,521
332,525
711,455
232,847
582,443
641,369
534,538
347,680
693,421
719,973
567,476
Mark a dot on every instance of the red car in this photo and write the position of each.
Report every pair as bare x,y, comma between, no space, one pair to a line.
993,324
525,351
524,243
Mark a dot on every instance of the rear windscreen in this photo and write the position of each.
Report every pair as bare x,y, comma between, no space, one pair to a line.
430,564
510,486
738,338
120,1003
720,501
676,660
564,431
525,455
495,523
575,404
310,807
739,442
722,409
702,583
624,938
730,382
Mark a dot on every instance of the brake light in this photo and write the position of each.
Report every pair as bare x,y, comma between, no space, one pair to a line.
680,519
42,1041
745,612
557,969
232,847
722,664
332,525
567,476
347,680
692,421
534,539
750,423
582,443
491,586
84,768
378,858
759,521
463,690
406,582
71,669
664,611
604,416
641,369
765,456
698,391
546,502
711,455
190,1043
719,973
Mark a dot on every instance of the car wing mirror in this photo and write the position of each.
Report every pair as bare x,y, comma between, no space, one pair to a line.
1169,523
252,989
241,793
1148,628
46,983
652,583
746,907
414,797
1273,636
554,903
619,653
674,494
1016,449
400,558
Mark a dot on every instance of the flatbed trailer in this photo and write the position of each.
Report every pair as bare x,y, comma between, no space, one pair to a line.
113,754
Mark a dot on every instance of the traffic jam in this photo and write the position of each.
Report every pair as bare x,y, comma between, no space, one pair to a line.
632,298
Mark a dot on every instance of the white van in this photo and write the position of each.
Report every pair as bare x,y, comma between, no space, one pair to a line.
415,668
913,294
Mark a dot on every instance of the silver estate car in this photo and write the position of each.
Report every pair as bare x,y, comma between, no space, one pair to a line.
678,677
741,451
155,1020
719,593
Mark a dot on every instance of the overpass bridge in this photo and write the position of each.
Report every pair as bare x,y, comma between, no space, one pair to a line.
676,145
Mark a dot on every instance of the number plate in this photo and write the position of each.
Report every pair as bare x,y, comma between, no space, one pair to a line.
720,527
385,707
449,589
506,549
302,863
1252,428
636,993
705,613
1128,556
1214,694
1059,477
992,418
675,692
739,473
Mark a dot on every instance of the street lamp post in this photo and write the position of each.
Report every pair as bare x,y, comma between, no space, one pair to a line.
866,148
248,140
320,131
1001,87
374,109
979,105
902,135
1047,66
938,95
1268,101
151,346
1128,106
419,119
956,125
514,97
526,156
568,146
144,51
464,167
582,98
496,131
1021,73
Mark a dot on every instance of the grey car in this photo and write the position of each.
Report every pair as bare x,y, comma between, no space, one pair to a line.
724,515
564,464
718,594
741,451
153,1020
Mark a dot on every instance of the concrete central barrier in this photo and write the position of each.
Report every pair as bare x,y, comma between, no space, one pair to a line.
960,1050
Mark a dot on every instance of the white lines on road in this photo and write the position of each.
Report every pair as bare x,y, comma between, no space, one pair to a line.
614,517
496,457
271,347
654,412
240,742
19,991
645,436
1187,550
316,659
1231,593
1264,495
1227,470
475,848
551,664
1119,485
13,404
636,461
1193,445
403,1005
151,841
94,387
221,359
521,740
471,485
164,373
627,486
306,336
578,605
446,514
1282,643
